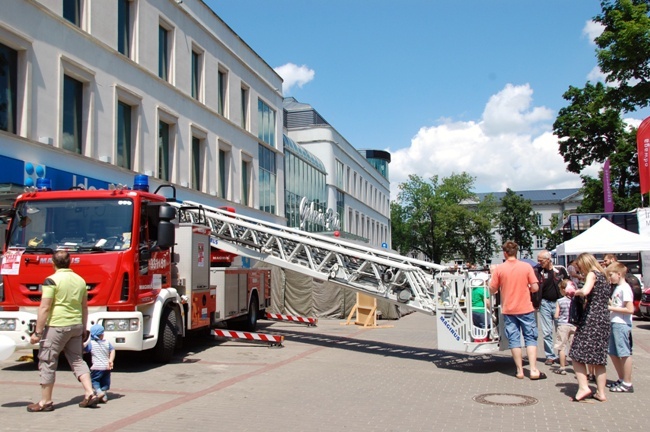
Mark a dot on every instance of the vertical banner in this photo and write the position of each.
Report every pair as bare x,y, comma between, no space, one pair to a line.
607,189
643,149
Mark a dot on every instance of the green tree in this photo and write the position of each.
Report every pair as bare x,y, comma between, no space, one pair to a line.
442,219
552,234
591,127
517,221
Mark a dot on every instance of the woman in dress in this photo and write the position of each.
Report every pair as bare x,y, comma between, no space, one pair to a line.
591,339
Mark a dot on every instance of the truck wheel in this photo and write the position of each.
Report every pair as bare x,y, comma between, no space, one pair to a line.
253,313
167,335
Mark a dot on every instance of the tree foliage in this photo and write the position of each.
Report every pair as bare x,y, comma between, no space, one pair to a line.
591,127
517,221
442,219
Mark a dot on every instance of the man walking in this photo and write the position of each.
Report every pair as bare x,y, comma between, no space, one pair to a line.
516,280
60,325
549,282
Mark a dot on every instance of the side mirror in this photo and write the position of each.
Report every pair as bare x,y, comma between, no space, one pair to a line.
166,234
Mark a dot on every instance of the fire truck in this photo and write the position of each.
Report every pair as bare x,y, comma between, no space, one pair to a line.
154,268
150,278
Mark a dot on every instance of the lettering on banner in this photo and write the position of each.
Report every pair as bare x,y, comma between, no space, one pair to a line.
310,213
450,328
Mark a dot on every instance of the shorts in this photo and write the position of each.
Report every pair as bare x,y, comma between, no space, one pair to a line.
516,325
620,340
564,337
57,339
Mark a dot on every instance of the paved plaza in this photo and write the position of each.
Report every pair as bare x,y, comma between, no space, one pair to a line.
325,378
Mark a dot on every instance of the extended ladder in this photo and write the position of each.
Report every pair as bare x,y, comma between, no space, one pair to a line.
380,274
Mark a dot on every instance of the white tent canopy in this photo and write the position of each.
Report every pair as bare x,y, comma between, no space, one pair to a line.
605,237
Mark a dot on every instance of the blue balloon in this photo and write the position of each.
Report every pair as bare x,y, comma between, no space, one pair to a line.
29,168
40,170
29,182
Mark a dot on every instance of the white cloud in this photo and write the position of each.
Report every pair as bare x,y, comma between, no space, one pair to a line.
596,75
511,146
592,30
294,75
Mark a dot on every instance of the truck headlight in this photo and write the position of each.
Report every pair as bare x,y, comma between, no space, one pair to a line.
7,324
122,324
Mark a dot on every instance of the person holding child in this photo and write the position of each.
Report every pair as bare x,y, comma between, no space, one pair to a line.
591,338
621,309
565,330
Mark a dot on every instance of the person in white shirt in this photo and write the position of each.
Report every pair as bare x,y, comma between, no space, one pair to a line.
621,308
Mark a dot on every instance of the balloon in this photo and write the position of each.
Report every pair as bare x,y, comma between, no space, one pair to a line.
7,347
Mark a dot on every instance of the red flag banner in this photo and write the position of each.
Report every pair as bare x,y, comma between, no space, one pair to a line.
607,188
643,149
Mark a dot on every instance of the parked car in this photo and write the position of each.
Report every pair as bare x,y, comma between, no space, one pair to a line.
644,304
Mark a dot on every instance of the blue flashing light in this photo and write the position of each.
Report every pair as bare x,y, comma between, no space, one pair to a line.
141,182
44,184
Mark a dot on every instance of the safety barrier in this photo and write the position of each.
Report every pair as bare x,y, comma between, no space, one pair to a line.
294,318
272,340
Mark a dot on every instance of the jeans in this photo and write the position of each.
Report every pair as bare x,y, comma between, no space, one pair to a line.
547,322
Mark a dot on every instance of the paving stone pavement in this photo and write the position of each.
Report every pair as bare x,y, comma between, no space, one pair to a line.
324,378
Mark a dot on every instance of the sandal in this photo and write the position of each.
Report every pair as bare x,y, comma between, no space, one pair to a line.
541,376
37,407
622,388
89,402
560,371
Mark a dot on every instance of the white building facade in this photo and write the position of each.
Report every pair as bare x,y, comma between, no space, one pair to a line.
357,184
93,92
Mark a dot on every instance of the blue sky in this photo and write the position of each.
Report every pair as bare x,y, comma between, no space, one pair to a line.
445,86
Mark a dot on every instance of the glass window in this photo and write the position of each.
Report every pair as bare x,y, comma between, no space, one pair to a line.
124,27
8,88
222,174
163,53
266,123
196,75
267,182
244,108
222,87
197,172
72,11
124,144
163,151
245,182
72,114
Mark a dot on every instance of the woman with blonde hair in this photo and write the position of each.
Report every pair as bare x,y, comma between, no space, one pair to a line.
591,338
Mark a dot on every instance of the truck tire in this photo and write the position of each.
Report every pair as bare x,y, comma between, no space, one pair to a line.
253,314
167,336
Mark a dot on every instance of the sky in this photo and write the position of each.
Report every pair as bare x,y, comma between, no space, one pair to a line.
445,86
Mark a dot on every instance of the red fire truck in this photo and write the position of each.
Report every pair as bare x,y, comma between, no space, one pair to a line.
152,275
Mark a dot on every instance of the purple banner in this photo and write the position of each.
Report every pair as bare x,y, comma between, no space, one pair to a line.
607,188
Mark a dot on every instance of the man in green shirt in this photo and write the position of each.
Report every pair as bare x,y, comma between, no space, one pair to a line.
60,325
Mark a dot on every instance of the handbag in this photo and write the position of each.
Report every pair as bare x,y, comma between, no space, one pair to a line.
577,311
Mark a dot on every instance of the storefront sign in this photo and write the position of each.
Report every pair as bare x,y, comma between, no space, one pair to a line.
310,213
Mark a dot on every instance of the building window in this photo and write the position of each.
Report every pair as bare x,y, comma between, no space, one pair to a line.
267,180
539,244
245,182
124,27
224,174
8,88
538,219
72,114
266,123
244,108
222,83
163,151
163,53
124,135
196,75
72,11
197,164
340,176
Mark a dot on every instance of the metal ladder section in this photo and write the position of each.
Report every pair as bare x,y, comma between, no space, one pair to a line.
390,276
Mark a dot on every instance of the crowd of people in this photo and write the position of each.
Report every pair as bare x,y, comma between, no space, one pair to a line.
602,330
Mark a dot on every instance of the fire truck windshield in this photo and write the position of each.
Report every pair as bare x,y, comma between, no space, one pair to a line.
89,225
